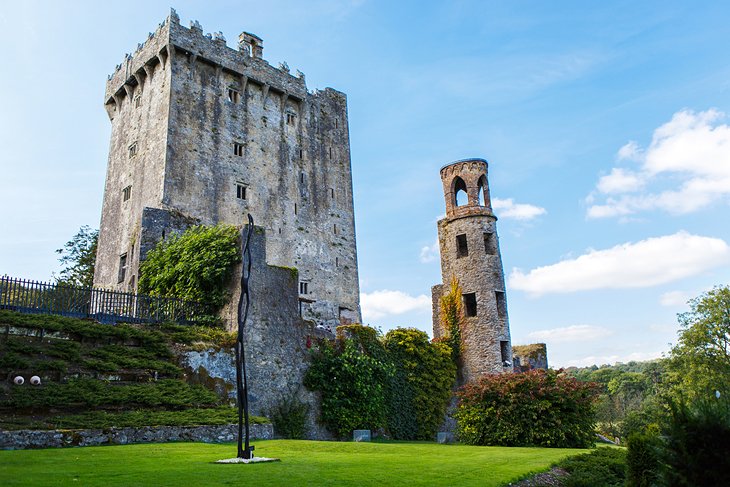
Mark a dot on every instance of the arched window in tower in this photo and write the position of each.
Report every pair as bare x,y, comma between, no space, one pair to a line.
460,197
482,190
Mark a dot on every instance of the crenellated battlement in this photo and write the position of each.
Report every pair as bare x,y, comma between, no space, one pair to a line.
171,39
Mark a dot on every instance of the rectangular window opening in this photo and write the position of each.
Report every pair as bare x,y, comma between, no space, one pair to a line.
133,150
490,243
126,193
291,119
330,152
137,101
334,228
332,193
501,304
301,154
238,149
295,208
337,262
470,304
504,351
233,95
240,191
122,268
303,287
301,178
462,250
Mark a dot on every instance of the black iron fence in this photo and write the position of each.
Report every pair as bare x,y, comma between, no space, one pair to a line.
101,305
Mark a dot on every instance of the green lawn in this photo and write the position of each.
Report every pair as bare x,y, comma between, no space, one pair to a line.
302,463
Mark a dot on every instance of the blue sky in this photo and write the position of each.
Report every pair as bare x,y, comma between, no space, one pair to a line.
605,127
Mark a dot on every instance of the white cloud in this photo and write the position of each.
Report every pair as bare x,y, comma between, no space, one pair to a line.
516,211
575,333
620,181
429,253
674,298
629,152
691,152
645,263
610,359
378,304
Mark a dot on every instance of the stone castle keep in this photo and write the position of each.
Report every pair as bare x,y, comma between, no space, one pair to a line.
470,252
204,134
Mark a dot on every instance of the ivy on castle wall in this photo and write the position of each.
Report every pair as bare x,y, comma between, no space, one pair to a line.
196,266
400,383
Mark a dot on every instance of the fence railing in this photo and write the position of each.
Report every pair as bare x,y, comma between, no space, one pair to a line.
101,305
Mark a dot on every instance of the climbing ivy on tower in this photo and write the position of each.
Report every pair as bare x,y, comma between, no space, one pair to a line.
452,315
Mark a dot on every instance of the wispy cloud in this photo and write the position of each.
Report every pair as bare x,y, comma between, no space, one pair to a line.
687,163
508,209
575,333
378,304
429,253
645,263
674,298
610,359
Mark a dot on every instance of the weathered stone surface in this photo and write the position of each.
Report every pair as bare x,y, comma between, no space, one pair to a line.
192,120
361,435
24,439
528,357
470,252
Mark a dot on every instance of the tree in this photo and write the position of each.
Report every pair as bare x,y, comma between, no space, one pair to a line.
700,362
78,257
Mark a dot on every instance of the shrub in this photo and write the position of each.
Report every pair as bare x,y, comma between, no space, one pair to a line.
351,382
697,444
289,418
605,467
400,383
451,315
642,460
195,266
538,407
421,386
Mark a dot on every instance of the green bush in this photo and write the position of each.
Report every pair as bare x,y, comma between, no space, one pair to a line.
535,408
289,418
697,442
351,382
604,467
642,460
400,383
421,387
195,266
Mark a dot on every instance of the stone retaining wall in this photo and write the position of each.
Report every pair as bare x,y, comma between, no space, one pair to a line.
24,439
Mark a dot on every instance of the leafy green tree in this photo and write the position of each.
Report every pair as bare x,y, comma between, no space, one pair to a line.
700,362
196,266
78,257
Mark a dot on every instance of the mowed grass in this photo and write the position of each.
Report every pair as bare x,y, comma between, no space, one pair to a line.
302,463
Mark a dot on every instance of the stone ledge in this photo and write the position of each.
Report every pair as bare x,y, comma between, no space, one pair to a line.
25,439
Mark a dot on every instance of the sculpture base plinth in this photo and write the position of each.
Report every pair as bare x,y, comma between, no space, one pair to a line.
248,460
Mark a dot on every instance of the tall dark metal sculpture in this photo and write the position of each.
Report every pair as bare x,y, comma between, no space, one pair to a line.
245,452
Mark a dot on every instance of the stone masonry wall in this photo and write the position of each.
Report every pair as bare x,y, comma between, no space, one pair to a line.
26,439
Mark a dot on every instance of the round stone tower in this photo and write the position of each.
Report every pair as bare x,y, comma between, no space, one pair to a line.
470,252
